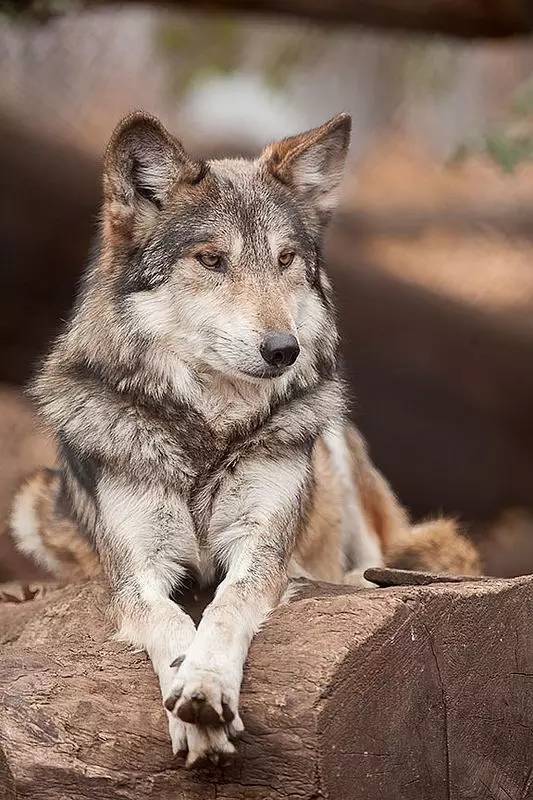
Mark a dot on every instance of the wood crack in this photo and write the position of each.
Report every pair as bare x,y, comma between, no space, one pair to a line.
444,710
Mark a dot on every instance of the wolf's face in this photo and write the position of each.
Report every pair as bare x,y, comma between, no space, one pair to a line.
219,261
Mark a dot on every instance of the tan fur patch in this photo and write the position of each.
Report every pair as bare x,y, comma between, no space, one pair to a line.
319,547
434,546
51,539
384,514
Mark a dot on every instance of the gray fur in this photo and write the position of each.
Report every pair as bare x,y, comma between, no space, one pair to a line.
181,452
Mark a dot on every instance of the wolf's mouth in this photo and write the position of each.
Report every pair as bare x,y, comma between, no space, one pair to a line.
265,373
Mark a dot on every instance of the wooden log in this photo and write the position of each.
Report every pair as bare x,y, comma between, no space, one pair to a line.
7,782
402,693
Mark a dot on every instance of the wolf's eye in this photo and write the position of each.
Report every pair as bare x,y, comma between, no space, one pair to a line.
285,259
210,260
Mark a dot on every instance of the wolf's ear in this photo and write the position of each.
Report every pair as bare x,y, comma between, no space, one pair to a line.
143,163
313,162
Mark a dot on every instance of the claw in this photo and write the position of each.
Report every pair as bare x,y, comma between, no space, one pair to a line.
235,728
171,700
226,759
197,760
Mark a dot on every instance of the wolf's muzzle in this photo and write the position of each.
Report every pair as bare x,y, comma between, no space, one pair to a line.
279,349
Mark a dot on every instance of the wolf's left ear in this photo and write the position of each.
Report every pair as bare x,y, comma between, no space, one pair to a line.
143,164
313,162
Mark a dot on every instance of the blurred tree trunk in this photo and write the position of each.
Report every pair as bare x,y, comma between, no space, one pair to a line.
467,18
50,194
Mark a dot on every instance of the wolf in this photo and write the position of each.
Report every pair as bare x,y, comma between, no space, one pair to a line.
200,419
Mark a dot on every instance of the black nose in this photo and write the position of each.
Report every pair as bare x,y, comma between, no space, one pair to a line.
279,349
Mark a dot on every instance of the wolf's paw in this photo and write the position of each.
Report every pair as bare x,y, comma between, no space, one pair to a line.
202,697
200,746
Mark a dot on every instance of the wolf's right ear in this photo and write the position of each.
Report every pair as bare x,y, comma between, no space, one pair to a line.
143,164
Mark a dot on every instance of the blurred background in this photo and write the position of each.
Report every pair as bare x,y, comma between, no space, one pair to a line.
431,253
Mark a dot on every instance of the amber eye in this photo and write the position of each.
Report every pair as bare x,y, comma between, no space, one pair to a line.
210,260
285,259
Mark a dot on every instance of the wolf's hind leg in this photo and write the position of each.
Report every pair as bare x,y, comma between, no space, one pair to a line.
45,534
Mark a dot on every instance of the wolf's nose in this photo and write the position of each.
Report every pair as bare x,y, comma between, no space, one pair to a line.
279,349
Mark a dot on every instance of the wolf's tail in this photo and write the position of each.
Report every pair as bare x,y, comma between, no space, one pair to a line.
434,546
42,530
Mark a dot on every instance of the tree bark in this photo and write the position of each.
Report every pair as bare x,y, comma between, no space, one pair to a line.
406,693
463,18
469,18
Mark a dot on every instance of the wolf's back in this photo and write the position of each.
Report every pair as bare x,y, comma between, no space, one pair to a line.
44,532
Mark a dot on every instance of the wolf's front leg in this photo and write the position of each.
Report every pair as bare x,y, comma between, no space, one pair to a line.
161,627
146,540
252,534
206,690
152,622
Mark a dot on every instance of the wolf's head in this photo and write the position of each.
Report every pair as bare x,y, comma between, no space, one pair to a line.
219,261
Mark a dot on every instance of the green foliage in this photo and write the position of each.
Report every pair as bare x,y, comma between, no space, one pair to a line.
429,68
200,47
194,49
291,52
509,151
511,143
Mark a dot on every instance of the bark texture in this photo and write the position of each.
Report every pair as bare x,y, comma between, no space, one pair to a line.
466,18
404,692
